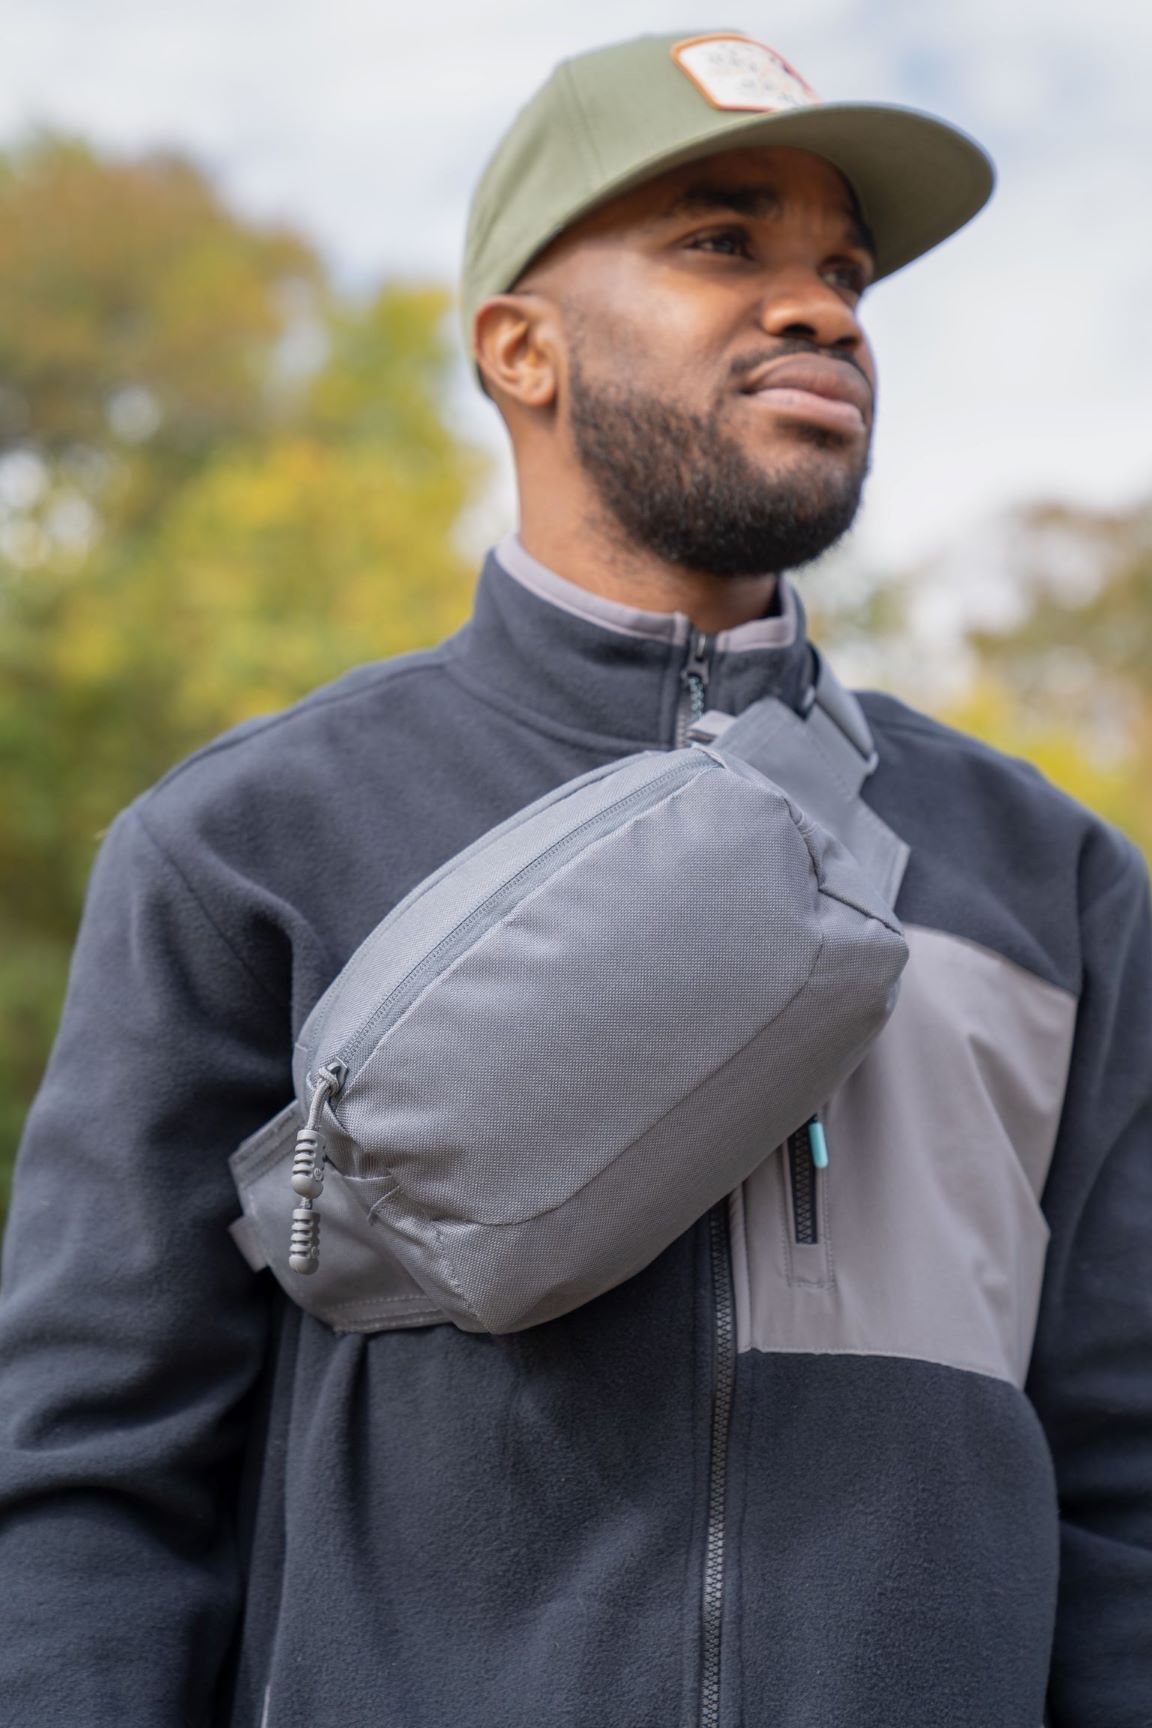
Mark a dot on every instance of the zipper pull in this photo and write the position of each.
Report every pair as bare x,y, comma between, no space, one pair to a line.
697,667
308,1172
817,1144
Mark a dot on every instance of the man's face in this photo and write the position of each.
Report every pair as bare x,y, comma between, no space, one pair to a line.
719,389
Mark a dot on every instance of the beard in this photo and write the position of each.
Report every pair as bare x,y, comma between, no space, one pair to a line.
680,486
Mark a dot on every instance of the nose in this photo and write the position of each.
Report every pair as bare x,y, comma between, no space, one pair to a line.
799,302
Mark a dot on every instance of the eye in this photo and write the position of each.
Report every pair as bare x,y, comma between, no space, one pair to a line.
723,242
846,275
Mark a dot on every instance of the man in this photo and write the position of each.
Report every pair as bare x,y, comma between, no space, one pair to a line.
917,1492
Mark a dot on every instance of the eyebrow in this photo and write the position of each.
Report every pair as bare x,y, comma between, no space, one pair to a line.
706,197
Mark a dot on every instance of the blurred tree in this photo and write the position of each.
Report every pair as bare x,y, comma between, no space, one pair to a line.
133,305
1113,782
1065,681
864,617
1084,637
1070,681
221,483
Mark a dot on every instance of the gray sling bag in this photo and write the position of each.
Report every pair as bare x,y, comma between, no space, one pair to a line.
565,1045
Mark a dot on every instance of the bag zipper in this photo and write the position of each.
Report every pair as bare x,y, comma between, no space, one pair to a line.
694,677
309,1160
308,1163
723,1378
543,864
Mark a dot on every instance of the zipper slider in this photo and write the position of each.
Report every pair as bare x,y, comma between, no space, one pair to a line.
817,1144
698,664
694,677
308,1172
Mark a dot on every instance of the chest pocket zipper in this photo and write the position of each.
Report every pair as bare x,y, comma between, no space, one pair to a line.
807,1156
805,1172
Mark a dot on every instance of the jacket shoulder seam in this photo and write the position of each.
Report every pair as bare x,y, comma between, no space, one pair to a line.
269,722
924,726
198,901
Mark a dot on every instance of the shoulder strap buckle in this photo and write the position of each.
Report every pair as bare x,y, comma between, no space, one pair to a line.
821,758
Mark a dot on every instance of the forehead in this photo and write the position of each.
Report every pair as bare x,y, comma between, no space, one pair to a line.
763,180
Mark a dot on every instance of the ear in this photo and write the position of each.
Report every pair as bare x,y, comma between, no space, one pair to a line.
516,344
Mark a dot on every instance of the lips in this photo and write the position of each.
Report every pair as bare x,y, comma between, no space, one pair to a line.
831,393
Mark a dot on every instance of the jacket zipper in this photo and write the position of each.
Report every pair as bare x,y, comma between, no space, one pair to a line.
694,683
724,1374
694,676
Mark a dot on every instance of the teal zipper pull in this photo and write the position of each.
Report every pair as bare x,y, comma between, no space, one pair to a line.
817,1144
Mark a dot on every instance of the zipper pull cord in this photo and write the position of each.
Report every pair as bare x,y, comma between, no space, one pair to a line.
817,1144
308,1173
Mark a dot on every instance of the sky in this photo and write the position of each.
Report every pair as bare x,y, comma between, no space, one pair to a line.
1015,361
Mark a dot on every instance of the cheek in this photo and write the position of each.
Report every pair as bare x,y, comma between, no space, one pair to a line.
652,335
868,364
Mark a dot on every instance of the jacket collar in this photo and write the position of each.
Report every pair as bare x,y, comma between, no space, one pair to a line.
587,667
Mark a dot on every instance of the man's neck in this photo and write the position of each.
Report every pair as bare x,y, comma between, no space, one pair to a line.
634,577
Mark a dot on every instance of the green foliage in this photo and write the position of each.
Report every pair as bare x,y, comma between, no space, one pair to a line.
221,483
132,275
1071,681
1115,782
1068,684
1086,632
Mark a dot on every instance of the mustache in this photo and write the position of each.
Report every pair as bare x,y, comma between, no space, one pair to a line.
790,345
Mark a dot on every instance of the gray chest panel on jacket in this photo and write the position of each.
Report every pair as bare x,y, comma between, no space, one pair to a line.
928,1240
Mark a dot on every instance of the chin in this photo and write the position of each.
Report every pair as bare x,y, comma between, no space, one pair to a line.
804,435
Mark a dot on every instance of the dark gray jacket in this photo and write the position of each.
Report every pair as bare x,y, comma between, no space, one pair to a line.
871,1447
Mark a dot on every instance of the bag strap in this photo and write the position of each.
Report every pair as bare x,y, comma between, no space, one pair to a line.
821,757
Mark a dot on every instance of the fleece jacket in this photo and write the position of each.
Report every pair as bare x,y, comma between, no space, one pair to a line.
868,1446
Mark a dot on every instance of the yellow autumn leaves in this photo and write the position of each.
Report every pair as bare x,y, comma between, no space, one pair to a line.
223,480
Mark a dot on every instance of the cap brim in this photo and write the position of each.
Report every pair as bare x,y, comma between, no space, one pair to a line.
917,179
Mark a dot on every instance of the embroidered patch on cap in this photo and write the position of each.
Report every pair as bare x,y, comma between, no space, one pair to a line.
735,72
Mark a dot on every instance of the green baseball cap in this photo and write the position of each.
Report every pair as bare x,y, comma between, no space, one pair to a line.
608,120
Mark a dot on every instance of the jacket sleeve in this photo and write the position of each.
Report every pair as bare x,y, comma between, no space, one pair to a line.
1091,1376
131,1330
